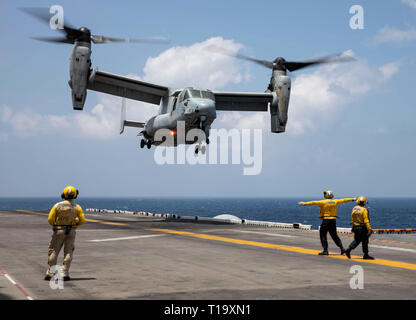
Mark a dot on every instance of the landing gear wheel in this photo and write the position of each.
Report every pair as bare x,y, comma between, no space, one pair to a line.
203,148
207,141
196,149
149,144
142,143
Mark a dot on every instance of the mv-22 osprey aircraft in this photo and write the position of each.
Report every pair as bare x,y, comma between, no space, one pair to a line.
196,107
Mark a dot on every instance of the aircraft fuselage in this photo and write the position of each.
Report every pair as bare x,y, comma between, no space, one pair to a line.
195,107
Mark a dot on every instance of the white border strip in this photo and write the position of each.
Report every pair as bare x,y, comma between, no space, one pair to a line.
28,297
127,238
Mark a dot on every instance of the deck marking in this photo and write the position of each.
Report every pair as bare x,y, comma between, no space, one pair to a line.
214,230
385,241
124,218
14,283
389,263
106,222
393,248
127,238
10,279
265,233
82,230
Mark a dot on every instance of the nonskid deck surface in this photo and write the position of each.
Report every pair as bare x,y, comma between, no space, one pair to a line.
133,257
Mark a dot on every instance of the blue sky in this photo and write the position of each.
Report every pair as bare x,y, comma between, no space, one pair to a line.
351,127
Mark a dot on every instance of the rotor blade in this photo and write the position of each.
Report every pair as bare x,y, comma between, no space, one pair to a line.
103,39
54,39
264,63
45,16
216,49
39,13
293,65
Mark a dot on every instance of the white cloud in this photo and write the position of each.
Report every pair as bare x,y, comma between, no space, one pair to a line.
242,120
5,113
410,3
321,95
196,65
26,123
394,35
390,69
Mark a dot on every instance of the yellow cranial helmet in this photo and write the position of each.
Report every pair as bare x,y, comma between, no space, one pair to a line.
328,194
361,201
69,193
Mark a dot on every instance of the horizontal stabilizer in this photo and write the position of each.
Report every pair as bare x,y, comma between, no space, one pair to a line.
124,123
134,124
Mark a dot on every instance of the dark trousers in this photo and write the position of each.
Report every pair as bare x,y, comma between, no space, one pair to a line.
360,236
329,225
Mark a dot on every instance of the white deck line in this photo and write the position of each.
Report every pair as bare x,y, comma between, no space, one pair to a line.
127,238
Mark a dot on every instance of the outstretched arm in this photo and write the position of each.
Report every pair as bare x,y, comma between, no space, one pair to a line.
339,201
310,203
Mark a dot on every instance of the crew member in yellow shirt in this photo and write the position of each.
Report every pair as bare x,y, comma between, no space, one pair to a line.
361,228
328,214
64,217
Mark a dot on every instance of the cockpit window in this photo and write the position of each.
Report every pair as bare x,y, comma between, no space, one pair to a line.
208,95
195,93
181,96
192,93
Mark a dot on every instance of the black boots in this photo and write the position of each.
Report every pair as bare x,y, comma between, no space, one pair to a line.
367,257
67,278
325,252
348,253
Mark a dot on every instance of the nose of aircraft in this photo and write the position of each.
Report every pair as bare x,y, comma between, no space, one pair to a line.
200,107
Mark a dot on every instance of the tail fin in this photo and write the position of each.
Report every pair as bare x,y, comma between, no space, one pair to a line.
123,114
123,122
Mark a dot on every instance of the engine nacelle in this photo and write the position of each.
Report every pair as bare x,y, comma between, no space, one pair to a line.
80,63
280,84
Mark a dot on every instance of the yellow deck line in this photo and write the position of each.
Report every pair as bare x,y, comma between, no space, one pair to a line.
105,222
389,263
88,220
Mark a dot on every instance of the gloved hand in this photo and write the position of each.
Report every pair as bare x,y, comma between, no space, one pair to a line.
301,203
76,221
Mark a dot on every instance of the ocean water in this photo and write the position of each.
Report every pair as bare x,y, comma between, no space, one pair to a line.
384,212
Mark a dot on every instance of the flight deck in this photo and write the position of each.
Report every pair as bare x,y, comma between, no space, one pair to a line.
137,257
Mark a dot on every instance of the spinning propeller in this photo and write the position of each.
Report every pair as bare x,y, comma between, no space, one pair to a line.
284,65
82,34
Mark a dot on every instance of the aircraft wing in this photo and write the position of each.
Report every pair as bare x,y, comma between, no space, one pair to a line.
242,101
127,87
